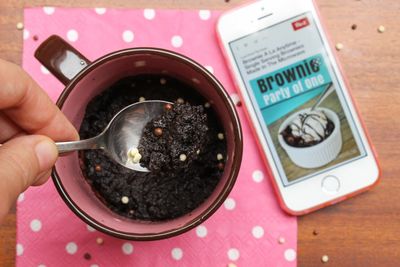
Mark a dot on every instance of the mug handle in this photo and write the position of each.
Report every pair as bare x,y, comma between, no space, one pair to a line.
60,58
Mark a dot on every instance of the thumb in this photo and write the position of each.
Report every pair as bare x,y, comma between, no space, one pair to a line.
23,162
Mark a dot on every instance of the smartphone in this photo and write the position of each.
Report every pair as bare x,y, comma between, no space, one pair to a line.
298,102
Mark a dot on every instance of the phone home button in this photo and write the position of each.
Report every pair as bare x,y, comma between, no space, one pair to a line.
330,184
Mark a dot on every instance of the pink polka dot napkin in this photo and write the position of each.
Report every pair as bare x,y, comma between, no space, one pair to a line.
248,230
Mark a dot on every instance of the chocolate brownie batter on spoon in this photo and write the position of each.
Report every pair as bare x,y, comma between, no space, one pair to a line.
122,135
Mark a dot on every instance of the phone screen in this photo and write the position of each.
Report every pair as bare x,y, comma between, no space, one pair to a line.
297,98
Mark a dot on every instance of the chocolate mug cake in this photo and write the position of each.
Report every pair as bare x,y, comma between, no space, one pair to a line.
174,140
184,149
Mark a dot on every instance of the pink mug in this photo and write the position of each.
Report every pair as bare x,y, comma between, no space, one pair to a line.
84,80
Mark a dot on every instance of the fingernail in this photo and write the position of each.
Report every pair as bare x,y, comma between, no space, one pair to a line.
46,153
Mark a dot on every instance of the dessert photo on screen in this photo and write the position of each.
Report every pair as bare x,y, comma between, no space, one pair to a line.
314,135
306,118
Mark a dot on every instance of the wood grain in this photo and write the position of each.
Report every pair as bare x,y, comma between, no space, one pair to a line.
362,231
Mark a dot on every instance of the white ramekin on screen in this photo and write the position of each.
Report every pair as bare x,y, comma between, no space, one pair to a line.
319,154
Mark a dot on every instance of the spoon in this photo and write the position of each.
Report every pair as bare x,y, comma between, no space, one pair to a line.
121,134
328,90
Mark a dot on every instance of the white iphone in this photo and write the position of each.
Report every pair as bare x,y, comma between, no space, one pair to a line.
298,102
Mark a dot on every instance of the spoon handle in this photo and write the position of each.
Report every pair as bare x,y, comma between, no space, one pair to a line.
328,90
91,143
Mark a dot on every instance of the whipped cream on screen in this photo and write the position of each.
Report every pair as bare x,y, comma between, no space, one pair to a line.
310,126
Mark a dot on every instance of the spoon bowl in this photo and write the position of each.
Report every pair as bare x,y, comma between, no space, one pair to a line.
121,134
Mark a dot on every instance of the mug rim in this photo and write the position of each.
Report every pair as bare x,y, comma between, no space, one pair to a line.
236,157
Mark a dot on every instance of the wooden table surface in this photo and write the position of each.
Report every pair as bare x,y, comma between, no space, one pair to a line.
363,231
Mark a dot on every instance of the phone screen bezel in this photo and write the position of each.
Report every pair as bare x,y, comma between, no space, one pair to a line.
243,21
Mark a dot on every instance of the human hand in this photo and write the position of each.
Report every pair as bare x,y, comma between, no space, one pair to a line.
29,122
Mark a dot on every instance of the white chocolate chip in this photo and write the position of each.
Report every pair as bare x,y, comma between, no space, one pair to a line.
325,259
221,136
134,156
182,157
137,158
381,29
20,26
219,156
125,200
339,46
180,101
142,99
207,105
132,152
163,81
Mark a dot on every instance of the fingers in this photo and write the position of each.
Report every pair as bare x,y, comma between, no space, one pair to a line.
8,129
42,178
29,107
24,161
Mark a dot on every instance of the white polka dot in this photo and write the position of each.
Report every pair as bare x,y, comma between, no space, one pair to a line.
21,197
71,248
204,14
49,10
230,203
41,265
36,225
94,265
72,35
20,249
127,248
210,69
100,10
258,176
149,13
44,70
177,253
235,98
257,231
233,254
90,228
290,254
128,36
176,41
26,34
201,231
